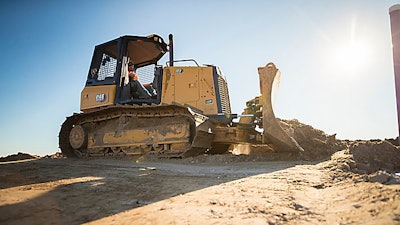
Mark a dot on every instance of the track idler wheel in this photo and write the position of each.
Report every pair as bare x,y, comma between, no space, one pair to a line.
77,137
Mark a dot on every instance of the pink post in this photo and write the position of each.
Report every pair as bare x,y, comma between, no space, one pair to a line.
394,12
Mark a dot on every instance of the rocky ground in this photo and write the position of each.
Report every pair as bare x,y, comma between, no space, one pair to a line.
331,182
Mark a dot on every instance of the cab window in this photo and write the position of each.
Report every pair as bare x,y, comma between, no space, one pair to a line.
104,64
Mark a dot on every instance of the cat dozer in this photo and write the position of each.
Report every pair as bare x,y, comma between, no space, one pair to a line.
131,105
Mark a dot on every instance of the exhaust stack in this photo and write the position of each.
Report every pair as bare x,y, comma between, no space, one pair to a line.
171,49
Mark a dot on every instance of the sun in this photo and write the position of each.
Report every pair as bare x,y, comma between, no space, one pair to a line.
352,57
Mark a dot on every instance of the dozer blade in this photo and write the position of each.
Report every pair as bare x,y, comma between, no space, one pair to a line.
273,132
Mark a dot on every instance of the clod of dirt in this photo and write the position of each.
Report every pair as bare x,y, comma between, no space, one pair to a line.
19,156
384,177
56,155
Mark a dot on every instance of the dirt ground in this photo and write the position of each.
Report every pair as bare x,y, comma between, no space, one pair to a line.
331,182
218,189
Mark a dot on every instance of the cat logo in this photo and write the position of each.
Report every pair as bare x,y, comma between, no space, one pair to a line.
101,97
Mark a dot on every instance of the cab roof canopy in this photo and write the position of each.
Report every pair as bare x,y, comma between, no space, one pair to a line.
142,51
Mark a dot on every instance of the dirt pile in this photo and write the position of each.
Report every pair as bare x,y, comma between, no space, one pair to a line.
376,161
23,156
371,156
372,160
317,144
19,156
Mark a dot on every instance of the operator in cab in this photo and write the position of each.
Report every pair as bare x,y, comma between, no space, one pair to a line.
137,89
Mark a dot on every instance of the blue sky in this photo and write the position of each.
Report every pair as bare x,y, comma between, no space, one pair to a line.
335,58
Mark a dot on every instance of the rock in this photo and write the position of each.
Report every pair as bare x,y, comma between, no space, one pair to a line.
380,177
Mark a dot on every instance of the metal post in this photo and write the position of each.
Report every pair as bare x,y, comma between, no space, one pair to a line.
394,13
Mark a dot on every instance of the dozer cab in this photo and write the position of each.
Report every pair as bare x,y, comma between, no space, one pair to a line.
185,111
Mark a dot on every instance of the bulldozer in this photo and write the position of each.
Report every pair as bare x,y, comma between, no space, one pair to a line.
184,112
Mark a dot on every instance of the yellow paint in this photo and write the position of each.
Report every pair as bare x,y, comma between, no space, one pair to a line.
96,96
173,133
193,86
231,135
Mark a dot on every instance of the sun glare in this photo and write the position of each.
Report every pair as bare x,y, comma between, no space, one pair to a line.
352,57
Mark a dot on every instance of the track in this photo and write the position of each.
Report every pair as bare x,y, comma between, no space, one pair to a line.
165,131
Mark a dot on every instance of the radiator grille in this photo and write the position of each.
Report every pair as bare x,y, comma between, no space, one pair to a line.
224,95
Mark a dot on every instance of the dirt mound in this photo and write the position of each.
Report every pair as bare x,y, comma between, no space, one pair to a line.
317,144
19,156
376,161
371,156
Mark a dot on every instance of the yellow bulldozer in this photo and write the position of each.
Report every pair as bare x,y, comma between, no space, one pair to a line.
171,111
